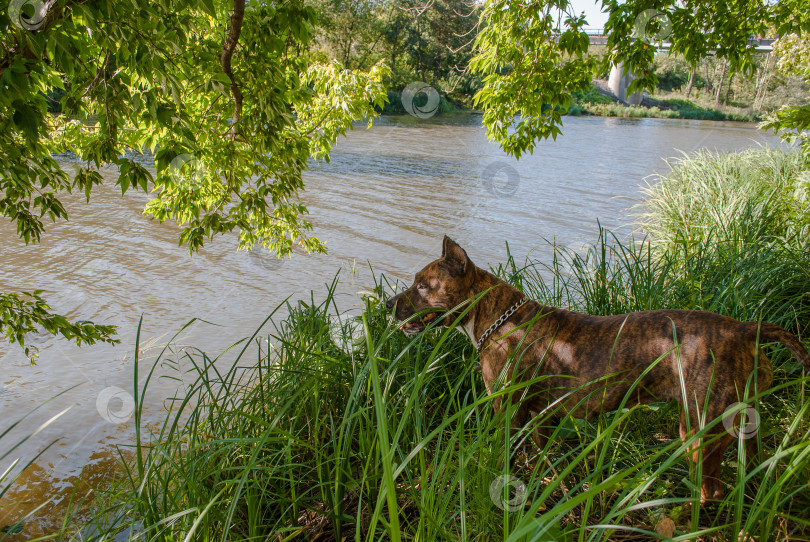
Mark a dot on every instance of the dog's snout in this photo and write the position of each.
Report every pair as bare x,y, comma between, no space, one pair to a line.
390,304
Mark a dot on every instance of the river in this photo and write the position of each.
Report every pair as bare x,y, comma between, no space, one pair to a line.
386,199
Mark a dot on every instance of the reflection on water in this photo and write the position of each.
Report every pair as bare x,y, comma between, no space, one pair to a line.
51,498
386,199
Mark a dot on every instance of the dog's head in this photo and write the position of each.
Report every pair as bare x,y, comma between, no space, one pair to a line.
441,285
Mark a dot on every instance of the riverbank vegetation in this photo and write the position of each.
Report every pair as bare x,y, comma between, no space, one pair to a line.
434,43
343,428
593,102
706,91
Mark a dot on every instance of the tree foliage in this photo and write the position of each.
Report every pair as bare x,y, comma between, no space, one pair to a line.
531,59
530,65
430,41
27,312
224,95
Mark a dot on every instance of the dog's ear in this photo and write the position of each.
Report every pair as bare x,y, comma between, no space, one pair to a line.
453,254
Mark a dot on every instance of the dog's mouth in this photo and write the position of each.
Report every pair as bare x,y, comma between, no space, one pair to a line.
418,325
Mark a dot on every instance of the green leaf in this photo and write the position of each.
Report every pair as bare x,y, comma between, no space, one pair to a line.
221,77
208,7
25,119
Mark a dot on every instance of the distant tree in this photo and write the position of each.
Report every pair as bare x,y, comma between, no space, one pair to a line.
225,95
723,67
793,51
396,26
763,78
673,72
451,30
350,28
690,85
429,40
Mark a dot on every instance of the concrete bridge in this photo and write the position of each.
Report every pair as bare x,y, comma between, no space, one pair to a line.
620,78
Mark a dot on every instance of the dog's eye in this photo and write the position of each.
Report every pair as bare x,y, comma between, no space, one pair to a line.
421,286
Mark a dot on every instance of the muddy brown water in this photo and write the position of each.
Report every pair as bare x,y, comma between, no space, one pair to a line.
385,200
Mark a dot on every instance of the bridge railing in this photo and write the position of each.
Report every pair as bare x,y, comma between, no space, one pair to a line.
598,36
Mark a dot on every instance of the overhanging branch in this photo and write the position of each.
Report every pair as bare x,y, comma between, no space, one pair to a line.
235,30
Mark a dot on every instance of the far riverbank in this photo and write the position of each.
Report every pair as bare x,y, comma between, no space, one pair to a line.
595,101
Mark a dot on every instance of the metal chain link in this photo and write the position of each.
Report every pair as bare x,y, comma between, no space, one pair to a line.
499,322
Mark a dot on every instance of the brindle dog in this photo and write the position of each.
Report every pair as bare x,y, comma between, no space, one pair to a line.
590,362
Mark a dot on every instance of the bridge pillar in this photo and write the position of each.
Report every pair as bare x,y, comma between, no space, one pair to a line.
619,80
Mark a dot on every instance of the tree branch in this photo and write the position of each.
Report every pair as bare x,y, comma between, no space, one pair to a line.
237,16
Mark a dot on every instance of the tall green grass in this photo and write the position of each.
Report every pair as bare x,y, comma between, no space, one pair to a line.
348,429
744,197
340,427
734,230
767,279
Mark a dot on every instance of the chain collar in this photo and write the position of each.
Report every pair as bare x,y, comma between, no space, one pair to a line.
499,322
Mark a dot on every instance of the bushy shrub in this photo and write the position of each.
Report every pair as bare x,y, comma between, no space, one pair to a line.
673,74
591,95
